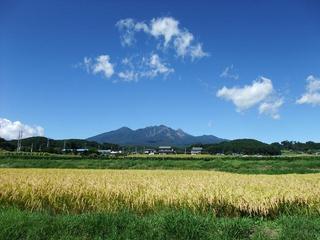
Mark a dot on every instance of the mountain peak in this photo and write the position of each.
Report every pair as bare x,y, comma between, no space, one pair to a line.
124,129
153,136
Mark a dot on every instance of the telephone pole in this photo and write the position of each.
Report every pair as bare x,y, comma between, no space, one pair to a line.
19,140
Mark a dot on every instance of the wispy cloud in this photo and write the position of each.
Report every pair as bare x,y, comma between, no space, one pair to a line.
312,94
168,35
260,92
271,108
128,27
128,76
228,72
158,67
147,67
10,130
165,29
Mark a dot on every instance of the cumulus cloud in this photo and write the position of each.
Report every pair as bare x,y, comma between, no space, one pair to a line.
101,64
228,73
312,94
166,29
10,130
249,95
260,92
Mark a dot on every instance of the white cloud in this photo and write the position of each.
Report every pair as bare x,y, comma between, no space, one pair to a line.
10,130
166,28
101,64
197,52
312,94
128,76
127,26
182,43
249,95
228,73
135,68
271,108
158,67
168,35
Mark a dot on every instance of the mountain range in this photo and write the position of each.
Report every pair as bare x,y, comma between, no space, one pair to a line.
153,136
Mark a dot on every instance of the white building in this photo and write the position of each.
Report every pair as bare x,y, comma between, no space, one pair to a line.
165,150
196,150
104,152
150,151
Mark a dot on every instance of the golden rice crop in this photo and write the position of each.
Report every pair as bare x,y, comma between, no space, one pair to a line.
63,190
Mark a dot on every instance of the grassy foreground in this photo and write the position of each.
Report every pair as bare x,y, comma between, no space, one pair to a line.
248,165
19,225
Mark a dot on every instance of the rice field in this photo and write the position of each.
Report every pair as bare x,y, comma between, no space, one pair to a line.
142,191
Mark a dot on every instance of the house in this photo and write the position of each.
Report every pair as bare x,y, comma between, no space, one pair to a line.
116,152
165,150
104,152
196,150
150,151
78,150
82,150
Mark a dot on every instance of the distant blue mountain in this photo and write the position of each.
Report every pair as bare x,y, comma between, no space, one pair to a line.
153,136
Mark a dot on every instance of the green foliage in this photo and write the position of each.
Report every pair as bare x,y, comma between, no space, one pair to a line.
40,144
242,146
16,224
308,147
250,165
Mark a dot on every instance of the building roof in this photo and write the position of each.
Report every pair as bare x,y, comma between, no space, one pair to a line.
196,149
165,147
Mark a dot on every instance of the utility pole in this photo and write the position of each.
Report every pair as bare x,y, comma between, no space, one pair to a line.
48,142
19,140
31,149
185,150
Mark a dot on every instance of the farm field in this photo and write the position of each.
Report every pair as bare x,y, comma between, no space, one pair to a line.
235,164
189,198
141,191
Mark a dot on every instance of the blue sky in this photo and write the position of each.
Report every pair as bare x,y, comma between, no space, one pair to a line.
250,70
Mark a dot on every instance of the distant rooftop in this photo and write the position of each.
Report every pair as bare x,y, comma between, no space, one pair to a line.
165,147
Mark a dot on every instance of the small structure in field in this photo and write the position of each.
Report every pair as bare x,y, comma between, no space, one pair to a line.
196,150
150,151
104,152
77,150
165,150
